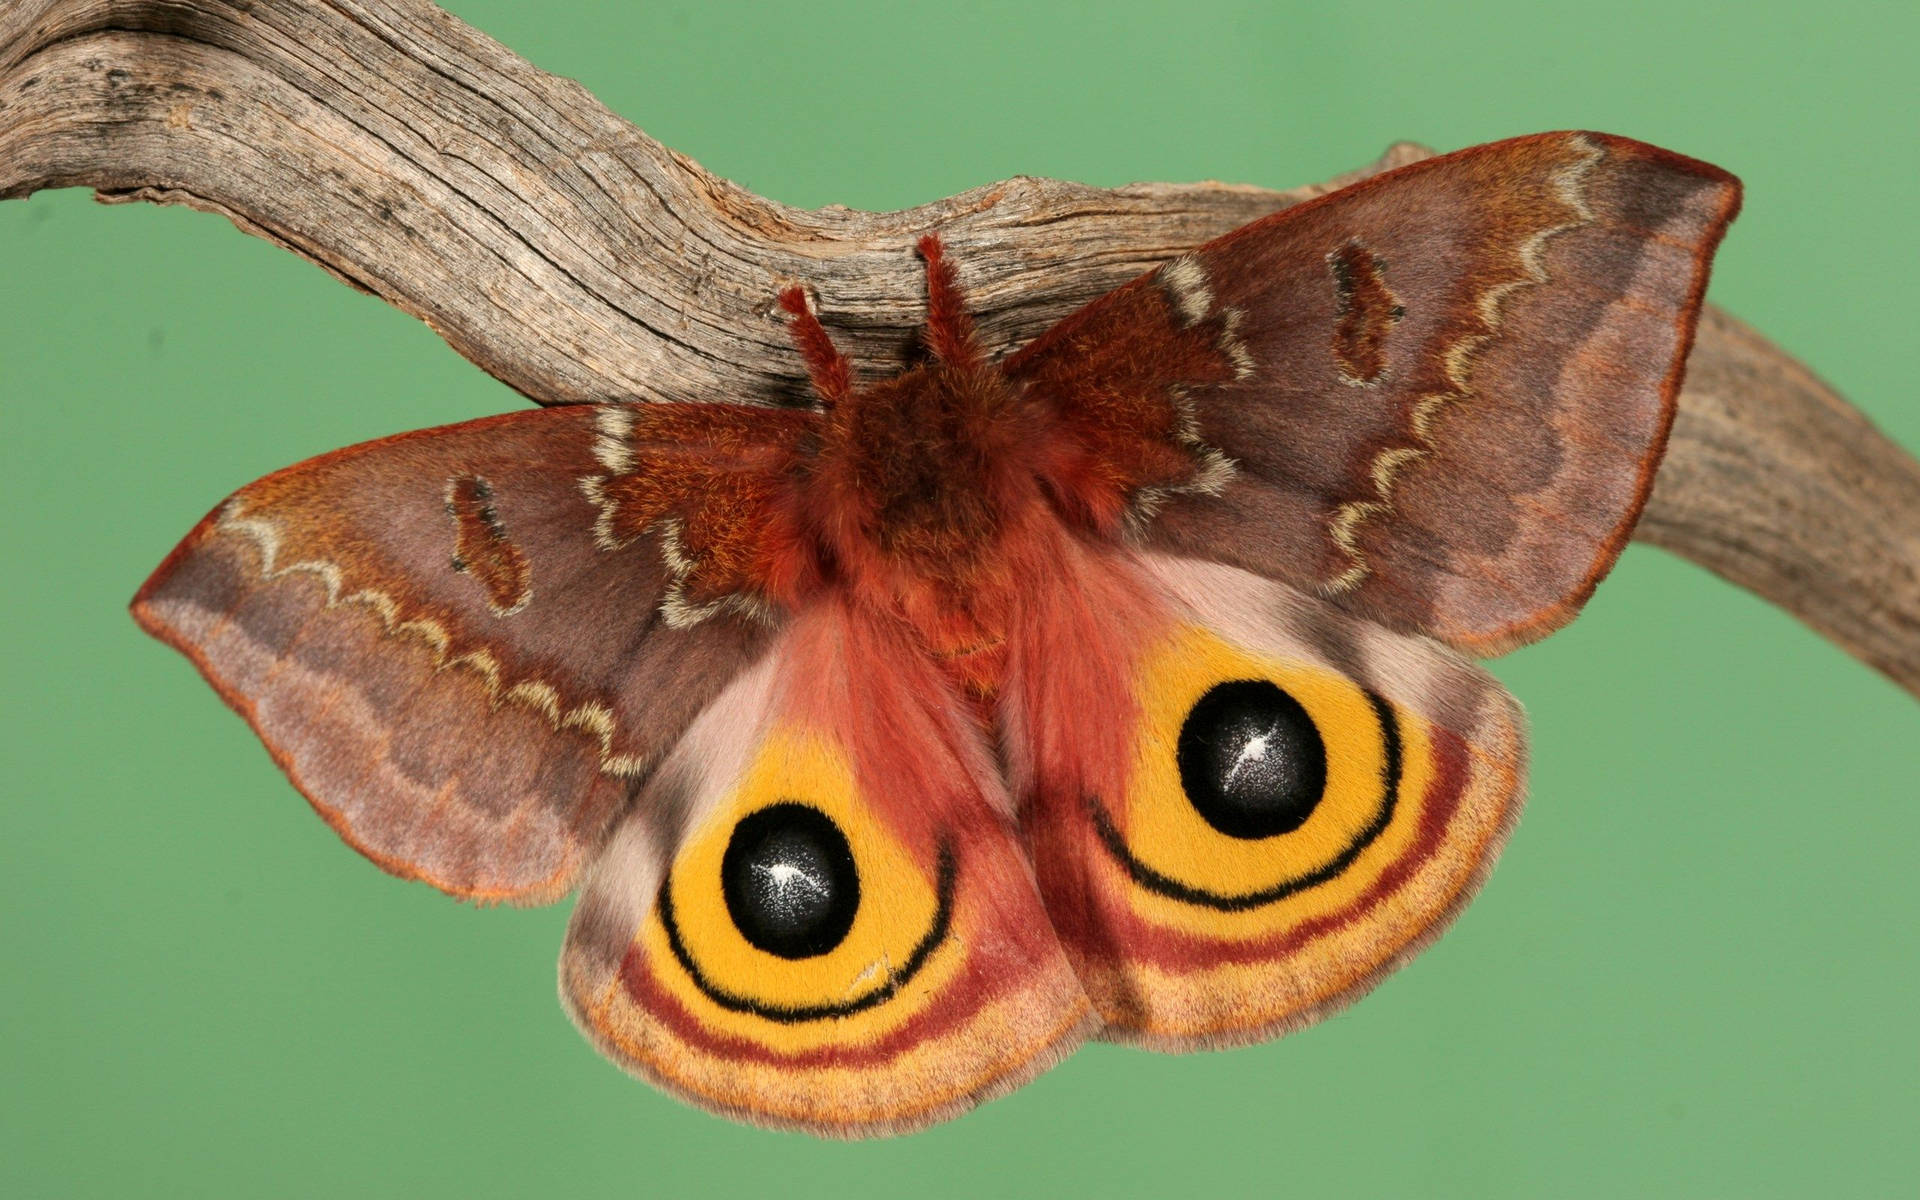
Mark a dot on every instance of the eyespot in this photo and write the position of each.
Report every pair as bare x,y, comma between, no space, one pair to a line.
1255,778
792,902
1251,762
789,880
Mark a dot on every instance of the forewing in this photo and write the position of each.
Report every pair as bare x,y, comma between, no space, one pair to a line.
899,988
1245,806
1437,397
459,644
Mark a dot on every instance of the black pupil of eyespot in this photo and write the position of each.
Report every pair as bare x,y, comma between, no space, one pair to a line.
1250,760
789,881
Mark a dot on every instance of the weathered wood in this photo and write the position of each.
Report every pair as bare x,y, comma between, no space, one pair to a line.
1774,482
572,256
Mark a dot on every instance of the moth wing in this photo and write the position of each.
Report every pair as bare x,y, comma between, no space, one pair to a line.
1246,806
1437,397
820,915
453,641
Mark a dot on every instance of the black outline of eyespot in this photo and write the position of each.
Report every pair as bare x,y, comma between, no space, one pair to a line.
947,873
1154,881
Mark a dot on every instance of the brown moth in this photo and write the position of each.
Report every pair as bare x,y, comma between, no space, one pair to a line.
1117,689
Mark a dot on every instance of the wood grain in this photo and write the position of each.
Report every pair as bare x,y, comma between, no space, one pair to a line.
566,252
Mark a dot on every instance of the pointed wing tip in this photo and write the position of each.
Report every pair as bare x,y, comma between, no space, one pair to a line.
1723,205
1619,146
167,619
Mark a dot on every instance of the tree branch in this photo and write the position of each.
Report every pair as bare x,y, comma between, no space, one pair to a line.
572,256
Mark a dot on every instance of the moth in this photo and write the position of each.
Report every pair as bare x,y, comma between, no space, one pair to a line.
1119,688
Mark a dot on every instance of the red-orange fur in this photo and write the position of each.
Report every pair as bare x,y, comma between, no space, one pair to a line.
1116,412
906,729
727,475
1072,703
944,497
830,371
955,520
949,328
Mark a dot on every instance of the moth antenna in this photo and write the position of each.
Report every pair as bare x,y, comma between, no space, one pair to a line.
827,368
949,328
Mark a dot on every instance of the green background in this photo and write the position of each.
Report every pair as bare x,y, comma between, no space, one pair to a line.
1693,973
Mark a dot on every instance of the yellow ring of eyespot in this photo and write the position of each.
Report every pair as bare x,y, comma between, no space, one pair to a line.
1166,833
898,903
